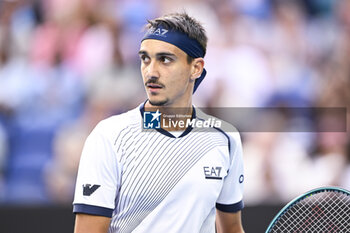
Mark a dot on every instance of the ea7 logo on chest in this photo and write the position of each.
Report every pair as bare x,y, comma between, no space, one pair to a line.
88,189
212,173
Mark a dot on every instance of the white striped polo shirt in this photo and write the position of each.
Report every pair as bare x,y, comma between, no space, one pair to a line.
150,181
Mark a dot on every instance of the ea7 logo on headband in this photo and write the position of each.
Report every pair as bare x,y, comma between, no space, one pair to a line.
158,32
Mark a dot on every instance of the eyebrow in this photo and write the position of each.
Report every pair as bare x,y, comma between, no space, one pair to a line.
142,52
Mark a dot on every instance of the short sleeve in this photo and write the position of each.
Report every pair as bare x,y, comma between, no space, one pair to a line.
231,196
98,176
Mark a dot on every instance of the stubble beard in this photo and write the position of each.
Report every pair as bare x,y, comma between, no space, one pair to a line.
158,103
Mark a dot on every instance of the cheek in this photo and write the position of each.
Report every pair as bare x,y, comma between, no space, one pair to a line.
182,73
184,76
178,82
177,79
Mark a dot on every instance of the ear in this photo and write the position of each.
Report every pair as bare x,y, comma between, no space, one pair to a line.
197,68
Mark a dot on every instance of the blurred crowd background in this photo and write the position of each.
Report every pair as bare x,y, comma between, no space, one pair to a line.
67,64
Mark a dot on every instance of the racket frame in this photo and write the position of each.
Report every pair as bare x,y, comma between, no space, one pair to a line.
303,196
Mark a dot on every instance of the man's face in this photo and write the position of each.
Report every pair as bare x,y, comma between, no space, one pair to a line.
166,73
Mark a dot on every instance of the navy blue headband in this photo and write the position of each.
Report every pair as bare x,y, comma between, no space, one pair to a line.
180,40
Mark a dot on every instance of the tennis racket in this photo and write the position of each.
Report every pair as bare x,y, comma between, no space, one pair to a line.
319,210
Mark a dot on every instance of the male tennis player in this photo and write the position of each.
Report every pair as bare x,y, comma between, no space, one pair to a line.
181,179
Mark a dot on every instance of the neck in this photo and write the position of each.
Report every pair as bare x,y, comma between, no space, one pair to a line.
173,116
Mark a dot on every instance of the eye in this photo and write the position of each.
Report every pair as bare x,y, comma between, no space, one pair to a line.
165,59
144,58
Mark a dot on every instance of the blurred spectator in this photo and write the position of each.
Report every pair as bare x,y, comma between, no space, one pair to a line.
235,62
344,180
334,91
3,155
277,164
133,15
105,96
60,172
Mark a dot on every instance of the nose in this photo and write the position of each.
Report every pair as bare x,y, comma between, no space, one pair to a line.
152,70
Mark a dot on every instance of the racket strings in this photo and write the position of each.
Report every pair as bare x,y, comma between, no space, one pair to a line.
320,212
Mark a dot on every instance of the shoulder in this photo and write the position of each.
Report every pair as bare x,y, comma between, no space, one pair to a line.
219,124
225,128
113,125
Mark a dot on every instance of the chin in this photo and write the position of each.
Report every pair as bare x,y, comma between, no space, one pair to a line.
158,102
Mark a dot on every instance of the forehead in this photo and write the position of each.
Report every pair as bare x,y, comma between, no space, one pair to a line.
152,46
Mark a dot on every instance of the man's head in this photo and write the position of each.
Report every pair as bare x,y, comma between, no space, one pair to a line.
172,62
183,23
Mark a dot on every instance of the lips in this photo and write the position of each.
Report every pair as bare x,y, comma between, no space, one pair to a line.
153,85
